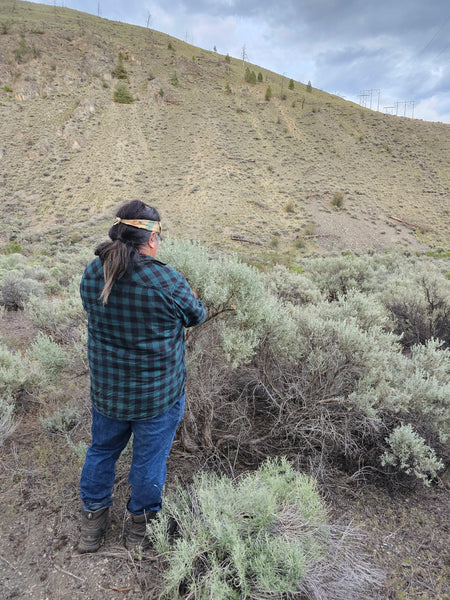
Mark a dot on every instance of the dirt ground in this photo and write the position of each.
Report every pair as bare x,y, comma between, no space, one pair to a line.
406,532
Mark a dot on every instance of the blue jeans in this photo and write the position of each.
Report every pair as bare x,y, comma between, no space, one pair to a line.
152,441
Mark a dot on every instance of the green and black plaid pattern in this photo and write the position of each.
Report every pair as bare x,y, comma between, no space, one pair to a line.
136,342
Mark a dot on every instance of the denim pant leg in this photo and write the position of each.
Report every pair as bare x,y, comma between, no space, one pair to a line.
152,442
109,438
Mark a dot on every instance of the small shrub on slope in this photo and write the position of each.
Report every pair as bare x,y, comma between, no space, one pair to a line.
411,454
13,372
62,420
122,94
50,357
120,72
265,535
58,317
15,289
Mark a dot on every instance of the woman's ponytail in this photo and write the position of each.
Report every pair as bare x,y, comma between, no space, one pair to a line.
115,257
118,255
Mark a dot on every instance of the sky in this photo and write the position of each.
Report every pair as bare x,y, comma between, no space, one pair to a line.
391,55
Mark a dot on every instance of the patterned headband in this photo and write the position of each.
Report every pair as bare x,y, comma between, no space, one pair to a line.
140,224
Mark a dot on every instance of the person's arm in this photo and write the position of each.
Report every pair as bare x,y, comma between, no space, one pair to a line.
190,309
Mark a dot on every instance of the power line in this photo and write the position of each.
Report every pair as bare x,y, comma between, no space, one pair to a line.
434,37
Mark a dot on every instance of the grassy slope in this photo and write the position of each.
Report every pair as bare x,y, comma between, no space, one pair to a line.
216,164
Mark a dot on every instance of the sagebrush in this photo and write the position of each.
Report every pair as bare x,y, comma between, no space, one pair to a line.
265,535
316,362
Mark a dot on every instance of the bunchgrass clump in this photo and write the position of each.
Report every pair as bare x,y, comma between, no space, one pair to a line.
62,420
337,200
7,422
265,535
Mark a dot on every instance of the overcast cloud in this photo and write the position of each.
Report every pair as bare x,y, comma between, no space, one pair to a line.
344,47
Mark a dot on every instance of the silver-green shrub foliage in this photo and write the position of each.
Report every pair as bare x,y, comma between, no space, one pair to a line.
57,316
320,354
231,290
409,451
48,355
326,348
16,288
265,535
15,373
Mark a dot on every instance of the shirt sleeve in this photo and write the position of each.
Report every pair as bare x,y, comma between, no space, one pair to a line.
190,309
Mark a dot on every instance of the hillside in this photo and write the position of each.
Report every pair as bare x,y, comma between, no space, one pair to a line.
217,164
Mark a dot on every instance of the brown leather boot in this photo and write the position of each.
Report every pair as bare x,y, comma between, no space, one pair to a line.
93,527
136,535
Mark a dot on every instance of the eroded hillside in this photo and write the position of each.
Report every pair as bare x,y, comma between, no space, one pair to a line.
202,144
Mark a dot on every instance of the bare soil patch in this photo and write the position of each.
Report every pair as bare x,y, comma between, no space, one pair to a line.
360,229
406,532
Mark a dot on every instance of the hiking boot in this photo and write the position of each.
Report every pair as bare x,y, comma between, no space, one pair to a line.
93,527
136,535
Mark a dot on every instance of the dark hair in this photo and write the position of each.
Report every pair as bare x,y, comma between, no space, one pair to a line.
118,255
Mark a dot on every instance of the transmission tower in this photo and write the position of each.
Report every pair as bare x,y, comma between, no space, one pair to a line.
367,98
362,98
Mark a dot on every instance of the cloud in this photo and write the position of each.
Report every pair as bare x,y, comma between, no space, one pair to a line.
435,108
402,47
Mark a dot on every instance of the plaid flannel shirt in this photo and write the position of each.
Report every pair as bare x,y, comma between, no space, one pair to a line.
136,342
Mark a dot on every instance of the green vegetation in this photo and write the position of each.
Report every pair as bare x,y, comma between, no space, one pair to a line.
409,452
337,200
260,77
332,353
228,89
120,72
62,420
291,84
268,94
17,287
228,59
270,538
122,94
289,207
309,87
174,80
21,52
351,351
250,76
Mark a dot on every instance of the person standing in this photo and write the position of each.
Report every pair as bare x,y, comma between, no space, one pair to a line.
137,309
